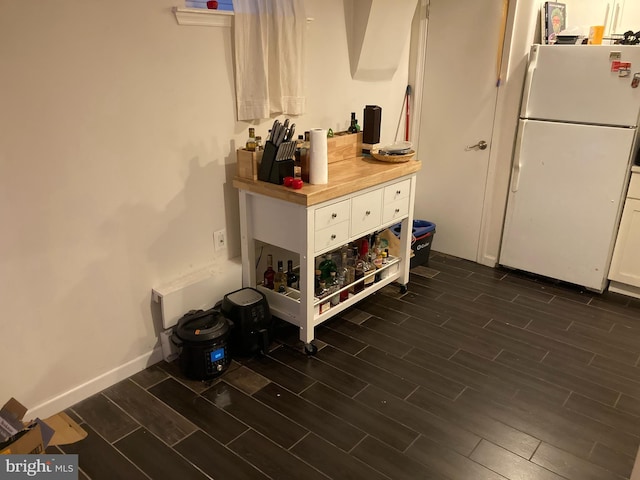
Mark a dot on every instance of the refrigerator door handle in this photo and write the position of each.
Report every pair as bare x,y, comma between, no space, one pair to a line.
531,70
517,160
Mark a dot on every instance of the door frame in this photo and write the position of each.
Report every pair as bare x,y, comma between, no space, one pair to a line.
522,17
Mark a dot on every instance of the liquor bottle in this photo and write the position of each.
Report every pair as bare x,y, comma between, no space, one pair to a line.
383,263
321,290
269,273
354,127
292,278
367,266
259,145
327,265
280,279
343,277
353,275
333,288
251,141
358,272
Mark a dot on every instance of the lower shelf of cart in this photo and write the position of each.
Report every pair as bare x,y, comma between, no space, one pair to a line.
286,305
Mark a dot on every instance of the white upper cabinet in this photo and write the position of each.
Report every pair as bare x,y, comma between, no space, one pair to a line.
618,16
626,16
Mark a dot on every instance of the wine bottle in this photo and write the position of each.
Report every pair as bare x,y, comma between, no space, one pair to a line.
280,279
353,128
269,273
292,278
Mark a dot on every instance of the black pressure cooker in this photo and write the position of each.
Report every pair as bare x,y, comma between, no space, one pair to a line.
201,337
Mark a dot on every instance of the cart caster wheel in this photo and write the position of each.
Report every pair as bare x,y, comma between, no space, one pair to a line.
310,349
403,289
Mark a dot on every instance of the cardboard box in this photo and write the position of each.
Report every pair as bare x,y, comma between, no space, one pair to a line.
24,438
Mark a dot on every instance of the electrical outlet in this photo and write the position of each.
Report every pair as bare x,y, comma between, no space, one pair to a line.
220,239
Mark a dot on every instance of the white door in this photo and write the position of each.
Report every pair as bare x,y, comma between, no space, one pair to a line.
457,111
566,190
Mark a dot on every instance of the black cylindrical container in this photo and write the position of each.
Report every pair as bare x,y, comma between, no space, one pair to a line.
201,337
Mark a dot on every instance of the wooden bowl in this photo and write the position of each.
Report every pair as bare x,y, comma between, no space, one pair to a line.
394,158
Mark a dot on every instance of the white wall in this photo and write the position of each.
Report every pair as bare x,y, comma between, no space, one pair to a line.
117,146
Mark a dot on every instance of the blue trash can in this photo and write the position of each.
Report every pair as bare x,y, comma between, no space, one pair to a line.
423,233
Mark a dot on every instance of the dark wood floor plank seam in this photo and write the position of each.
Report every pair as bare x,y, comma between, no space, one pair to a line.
539,339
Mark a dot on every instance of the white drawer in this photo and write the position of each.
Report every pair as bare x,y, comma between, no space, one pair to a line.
397,191
395,210
331,215
634,186
366,210
334,235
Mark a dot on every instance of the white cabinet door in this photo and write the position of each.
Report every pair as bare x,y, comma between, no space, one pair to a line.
625,266
584,13
626,16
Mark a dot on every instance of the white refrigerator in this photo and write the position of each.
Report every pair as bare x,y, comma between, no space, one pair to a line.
571,162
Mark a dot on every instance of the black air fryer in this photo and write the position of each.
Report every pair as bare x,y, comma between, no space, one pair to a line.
201,337
248,310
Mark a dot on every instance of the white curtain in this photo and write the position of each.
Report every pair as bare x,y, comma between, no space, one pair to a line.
269,54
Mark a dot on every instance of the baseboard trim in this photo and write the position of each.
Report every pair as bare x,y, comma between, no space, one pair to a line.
95,385
624,289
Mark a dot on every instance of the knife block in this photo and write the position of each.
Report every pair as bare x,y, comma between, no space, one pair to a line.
272,170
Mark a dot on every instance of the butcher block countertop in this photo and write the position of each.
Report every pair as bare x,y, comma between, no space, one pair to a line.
345,177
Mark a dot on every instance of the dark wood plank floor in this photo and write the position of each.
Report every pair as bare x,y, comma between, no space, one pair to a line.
475,373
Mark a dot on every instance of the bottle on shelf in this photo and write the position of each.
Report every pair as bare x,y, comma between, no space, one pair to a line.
251,141
333,287
269,273
321,290
358,272
343,277
367,266
327,265
280,279
354,127
383,263
259,145
292,278
353,276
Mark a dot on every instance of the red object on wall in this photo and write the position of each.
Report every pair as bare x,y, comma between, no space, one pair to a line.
212,5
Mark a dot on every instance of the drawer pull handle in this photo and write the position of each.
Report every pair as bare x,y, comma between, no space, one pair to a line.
333,237
368,212
398,192
397,210
334,215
